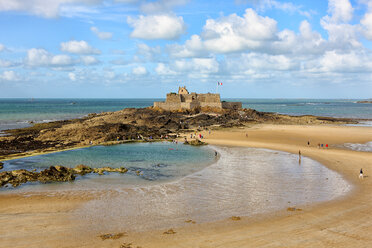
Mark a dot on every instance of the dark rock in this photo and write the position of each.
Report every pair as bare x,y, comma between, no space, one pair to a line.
56,174
1,165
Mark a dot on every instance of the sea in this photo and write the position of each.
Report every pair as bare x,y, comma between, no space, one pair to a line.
18,113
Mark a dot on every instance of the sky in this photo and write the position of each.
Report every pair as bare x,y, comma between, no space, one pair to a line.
144,49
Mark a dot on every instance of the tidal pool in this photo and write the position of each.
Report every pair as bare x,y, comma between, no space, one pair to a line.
243,182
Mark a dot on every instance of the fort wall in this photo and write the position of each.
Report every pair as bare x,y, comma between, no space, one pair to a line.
186,100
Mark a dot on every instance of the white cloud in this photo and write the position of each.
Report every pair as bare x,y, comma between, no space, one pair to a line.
340,10
2,47
61,60
49,9
40,57
161,5
194,47
163,69
152,27
78,47
7,63
196,65
367,24
354,61
263,5
148,53
140,70
89,60
9,76
234,33
101,35
257,62
72,76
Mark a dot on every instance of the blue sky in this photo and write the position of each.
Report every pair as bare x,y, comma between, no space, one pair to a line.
140,48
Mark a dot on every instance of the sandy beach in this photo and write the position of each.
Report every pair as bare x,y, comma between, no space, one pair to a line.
45,220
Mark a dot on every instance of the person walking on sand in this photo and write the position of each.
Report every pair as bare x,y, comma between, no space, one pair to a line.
361,173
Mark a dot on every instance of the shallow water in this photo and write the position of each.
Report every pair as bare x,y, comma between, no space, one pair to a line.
367,147
157,162
243,182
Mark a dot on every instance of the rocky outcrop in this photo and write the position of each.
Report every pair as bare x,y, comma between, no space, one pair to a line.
1,165
365,101
137,124
52,174
195,142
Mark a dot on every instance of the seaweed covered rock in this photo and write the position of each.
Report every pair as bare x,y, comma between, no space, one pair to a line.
82,169
195,142
52,174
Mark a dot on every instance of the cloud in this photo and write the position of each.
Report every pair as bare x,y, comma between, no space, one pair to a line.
140,70
367,23
154,27
9,76
101,35
148,53
354,61
40,57
41,8
2,47
194,47
234,33
340,10
7,63
78,47
163,69
89,60
72,76
161,5
196,65
263,5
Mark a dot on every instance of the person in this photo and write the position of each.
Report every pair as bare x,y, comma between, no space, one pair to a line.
215,153
246,135
299,156
361,173
308,143
326,145
318,145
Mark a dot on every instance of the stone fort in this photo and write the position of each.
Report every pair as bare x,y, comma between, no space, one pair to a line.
186,100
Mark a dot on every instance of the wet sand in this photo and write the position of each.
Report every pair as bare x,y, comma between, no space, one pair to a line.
46,221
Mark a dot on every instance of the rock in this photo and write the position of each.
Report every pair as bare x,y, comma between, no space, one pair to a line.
56,173
170,231
293,209
82,169
62,174
195,142
112,236
1,165
235,218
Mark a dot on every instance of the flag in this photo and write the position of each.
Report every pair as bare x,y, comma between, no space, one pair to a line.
219,84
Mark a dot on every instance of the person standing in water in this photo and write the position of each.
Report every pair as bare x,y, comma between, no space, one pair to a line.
299,156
